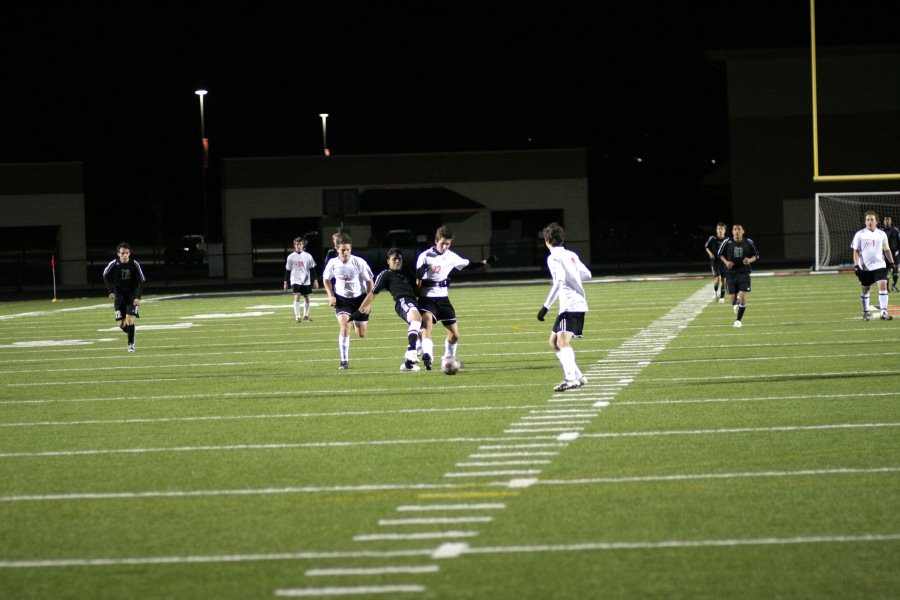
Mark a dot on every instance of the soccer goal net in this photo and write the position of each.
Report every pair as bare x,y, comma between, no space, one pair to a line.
840,216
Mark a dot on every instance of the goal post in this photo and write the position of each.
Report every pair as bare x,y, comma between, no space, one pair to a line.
839,216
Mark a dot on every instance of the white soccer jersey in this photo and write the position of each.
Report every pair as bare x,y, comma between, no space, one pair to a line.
871,246
300,264
437,269
567,272
350,277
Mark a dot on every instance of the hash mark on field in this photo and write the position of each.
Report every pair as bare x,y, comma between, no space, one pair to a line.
431,507
349,591
371,570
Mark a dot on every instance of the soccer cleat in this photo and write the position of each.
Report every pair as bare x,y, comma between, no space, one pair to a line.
894,289
411,356
885,316
344,365
738,324
721,300
567,385
866,316
409,366
582,380
426,360
306,318
298,319
131,346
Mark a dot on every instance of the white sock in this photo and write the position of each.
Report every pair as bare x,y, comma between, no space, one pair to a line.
344,347
883,300
567,360
449,349
296,309
306,308
865,301
428,347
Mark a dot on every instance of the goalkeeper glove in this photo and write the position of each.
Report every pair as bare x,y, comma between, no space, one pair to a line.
542,313
857,269
491,259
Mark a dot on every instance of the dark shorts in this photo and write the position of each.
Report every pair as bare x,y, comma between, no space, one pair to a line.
738,282
404,305
349,305
718,268
867,278
570,322
124,305
303,290
440,309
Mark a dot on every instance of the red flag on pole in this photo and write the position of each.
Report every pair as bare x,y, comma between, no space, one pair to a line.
52,261
205,153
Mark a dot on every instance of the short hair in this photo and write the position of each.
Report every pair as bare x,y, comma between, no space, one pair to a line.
122,245
335,237
554,234
343,238
737,225
395,252
721,224
443,233
300,238
871,212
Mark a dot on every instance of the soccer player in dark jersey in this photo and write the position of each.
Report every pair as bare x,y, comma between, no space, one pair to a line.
125,279
399,283
893,236
738,253
716,266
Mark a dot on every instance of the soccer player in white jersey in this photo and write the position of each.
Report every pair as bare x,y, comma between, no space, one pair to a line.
433,269
871,257
300,273
567,272
352,280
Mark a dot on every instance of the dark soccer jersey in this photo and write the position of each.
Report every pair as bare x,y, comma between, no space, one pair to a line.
713,243
736,252
124,278
396,282
893,236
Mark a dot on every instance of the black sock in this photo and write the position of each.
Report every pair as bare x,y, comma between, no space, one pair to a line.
741,310
412,337
129,329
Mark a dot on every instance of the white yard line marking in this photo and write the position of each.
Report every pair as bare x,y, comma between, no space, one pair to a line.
785,428
361,590
705,476
494,473
502,463
441,507
434,521
349,413
449,550
421,535
371,570
243,447
431,486
511,454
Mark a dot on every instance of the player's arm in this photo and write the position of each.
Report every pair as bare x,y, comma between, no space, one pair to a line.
139,286
857,265
314,277
329,289
287,278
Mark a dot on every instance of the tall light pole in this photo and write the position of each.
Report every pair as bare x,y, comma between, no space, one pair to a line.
201,92
324,134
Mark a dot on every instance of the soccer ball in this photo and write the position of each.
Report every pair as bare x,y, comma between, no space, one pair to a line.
450,366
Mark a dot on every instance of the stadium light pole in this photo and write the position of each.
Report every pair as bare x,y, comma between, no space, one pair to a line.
324,134
205,142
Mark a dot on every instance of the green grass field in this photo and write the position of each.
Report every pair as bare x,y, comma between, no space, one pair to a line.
230,458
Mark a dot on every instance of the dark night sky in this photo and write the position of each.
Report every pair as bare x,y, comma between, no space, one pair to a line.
114,87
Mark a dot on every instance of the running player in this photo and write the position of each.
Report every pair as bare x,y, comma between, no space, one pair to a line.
124,280
300,273
347,280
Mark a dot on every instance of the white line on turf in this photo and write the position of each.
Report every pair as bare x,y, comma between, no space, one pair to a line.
361,590
441,507
450,550
371,570
421,535
434,521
